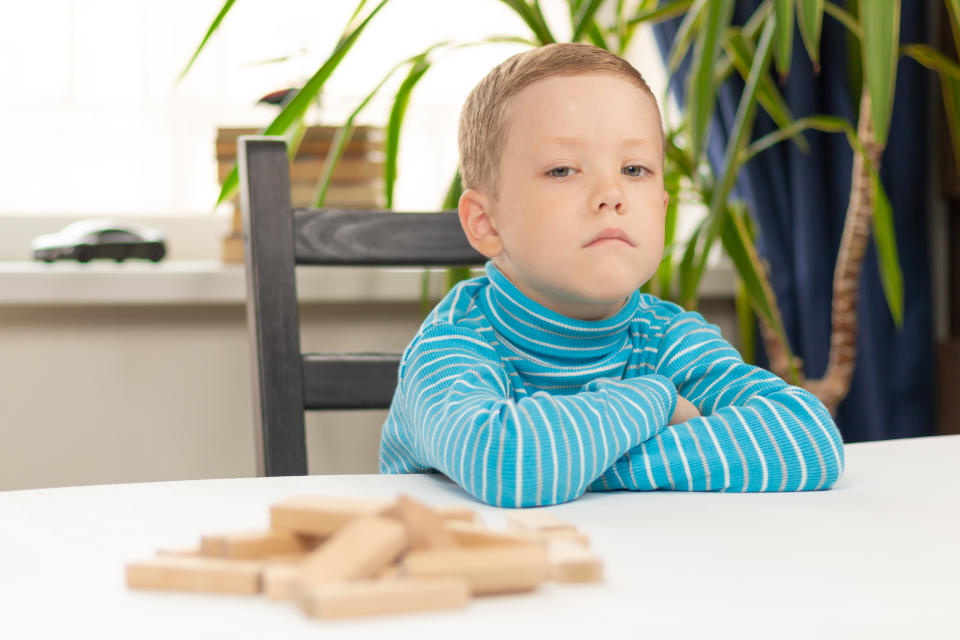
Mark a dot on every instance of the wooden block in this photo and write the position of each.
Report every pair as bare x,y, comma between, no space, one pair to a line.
360,549
536,520
231,248
314,132
180,552
463,514
251,545
367,597
571,562
195,574
570,535
282,581
228,149
468,534
369,194
493,569
321,516
308,168
389,571
285,558
425,528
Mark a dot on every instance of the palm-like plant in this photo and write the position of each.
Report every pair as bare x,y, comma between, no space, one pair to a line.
716,48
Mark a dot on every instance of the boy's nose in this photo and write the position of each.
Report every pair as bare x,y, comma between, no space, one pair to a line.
608,196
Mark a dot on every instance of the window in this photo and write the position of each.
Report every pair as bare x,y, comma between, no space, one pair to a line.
94,126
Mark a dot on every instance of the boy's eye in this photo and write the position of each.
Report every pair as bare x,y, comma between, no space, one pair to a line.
560,172
635,171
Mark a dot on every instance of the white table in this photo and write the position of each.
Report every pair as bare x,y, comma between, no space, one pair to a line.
876,556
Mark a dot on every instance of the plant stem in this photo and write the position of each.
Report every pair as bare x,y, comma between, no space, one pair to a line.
835,383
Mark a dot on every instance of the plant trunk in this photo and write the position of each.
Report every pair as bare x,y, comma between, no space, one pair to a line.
835,383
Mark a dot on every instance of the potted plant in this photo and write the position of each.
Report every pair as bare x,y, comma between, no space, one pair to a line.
716,49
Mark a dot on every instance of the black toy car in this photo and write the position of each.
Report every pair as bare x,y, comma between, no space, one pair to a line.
100,239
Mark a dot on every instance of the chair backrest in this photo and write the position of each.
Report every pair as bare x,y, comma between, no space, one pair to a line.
276,239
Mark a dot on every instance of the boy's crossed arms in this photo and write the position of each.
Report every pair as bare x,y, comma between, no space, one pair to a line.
756,433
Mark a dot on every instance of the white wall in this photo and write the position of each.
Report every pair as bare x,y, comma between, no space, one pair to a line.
106,394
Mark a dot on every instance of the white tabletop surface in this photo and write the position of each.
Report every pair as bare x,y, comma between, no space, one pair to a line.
876,556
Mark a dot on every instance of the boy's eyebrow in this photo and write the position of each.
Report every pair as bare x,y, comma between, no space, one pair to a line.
578,142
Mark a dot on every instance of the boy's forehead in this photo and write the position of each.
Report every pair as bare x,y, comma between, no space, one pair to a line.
553,99
544,114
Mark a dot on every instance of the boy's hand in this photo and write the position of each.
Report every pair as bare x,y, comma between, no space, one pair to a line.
684,411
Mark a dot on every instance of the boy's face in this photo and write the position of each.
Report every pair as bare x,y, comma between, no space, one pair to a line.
583,158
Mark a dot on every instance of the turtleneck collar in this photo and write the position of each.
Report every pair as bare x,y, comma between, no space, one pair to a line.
529,328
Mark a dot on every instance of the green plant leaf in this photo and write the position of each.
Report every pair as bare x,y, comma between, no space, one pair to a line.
356,12
294,136
741,53
685,35
745,323
542,21
527,14
810,17
752,26
679,156
953,8
584,17
749,32
950,88
932,59
820,123
661,13
701,92
343,134
880,52
891,277
739,134
298,106
597,37
426,304
452,199
845,18
296,109
738,244
395,122
688,280
784,36
450,202
949,73
213,27
664,275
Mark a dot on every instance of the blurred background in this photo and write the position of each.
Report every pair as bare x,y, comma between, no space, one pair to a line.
139,371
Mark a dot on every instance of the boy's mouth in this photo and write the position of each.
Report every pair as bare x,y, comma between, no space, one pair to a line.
610,234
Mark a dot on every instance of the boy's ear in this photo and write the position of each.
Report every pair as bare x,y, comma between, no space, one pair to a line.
474,210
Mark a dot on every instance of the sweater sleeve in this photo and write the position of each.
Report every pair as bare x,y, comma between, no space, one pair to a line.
454,411
756,433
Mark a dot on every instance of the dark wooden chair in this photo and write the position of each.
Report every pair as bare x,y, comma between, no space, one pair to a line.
276,239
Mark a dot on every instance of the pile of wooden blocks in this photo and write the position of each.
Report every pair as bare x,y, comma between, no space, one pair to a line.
341,557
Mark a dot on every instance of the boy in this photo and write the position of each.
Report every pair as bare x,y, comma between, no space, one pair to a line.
553,374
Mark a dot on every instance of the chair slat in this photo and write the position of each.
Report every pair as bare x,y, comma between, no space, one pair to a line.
272,315
380,238
349,381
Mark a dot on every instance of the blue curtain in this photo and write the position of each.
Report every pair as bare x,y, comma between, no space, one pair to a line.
799,203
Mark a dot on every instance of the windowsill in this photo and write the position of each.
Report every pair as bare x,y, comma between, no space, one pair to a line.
213,282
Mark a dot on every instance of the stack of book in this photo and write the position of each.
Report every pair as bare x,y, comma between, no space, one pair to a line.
357,181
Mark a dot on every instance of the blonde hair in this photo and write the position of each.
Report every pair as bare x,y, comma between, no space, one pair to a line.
484,121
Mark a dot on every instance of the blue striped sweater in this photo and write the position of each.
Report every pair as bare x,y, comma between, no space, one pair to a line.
522,406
